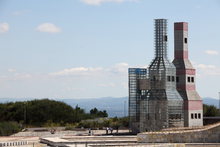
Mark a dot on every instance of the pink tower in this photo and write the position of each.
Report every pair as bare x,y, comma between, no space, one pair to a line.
185,77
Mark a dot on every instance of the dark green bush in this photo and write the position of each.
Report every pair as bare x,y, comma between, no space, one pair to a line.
9,128
45,112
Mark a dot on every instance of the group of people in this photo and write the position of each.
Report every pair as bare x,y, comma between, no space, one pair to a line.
109,129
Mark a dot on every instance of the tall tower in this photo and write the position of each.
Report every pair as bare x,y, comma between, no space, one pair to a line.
161,106
185,77
137,84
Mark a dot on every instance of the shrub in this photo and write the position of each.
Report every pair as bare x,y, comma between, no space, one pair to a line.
9,128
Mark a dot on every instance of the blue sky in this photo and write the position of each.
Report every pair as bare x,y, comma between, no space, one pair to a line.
82,48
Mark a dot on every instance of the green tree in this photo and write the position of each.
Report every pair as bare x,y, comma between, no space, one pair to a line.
210,110
39,112
9,128
96,113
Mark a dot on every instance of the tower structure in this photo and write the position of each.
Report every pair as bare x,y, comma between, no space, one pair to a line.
185,77
137,84
164,95
158,103
163,104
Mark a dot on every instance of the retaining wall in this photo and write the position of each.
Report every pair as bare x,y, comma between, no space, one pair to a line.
207,134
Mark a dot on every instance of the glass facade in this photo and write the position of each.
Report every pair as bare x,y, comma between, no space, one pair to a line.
135,75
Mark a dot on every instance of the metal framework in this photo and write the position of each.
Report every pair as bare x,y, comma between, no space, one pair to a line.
154,102
135,76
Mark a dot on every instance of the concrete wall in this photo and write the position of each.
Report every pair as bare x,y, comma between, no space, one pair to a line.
211,120
195,121
13,143
208,134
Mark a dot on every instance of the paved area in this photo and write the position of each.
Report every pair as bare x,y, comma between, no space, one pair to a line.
89,140
61,133
81,138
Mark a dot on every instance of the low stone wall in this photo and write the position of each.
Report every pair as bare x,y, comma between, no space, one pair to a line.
13,143
210,120
206,134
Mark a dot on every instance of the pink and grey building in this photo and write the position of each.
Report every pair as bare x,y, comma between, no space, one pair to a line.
186,77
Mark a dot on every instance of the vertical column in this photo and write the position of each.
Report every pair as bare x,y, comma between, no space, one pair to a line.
161,37
186,77
185,71
181,40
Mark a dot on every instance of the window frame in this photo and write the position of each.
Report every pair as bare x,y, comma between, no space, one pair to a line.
188,79
199,115
196,116
192,79
185,40
192,116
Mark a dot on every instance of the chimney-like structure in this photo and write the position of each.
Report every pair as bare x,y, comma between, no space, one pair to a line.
161,106
164,94
161,38
185,77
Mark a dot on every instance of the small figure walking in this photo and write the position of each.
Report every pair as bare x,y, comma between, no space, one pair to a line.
107,130
111,129
90,132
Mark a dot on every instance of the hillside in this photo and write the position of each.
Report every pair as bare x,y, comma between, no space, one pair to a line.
211,101
114,106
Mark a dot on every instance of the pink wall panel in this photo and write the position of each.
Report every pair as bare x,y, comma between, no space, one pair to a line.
193,105
181,26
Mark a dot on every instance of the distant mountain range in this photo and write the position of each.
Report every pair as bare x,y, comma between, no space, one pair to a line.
211,101
114,106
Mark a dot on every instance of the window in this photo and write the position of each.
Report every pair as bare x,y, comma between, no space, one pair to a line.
192,79
168,78
172,116
165,38
195,115
185,40
199,116
142,92
177,79
173,78
192,116
188,79
178,116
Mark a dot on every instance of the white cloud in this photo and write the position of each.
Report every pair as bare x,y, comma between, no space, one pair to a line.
205,67
49,28
15,76
211,52
99,2
4,27
207,70
117,69
120,68
78,71
11,70
22,76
